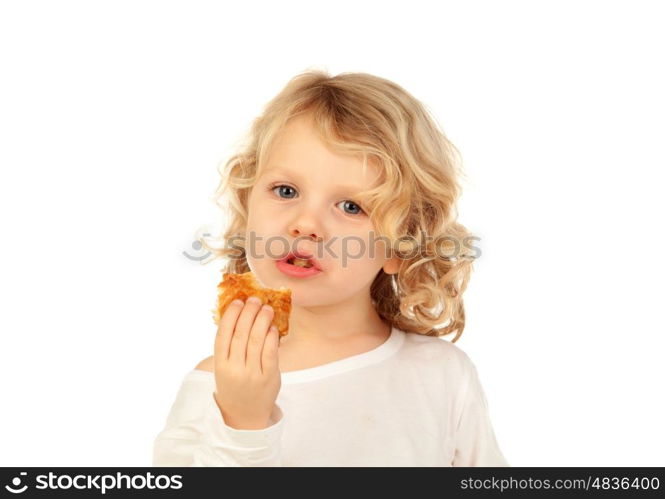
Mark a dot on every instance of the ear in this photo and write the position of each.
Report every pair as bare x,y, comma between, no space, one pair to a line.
392,265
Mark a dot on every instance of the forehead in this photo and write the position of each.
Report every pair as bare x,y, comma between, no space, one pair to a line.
298,150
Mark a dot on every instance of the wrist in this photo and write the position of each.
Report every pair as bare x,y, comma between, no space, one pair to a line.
245,423
242,422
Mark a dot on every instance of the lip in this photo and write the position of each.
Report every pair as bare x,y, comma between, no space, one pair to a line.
294,271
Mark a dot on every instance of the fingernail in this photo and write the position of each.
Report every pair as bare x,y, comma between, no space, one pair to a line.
267,308
254,299
237,302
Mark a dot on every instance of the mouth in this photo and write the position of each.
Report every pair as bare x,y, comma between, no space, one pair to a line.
301,261
295,271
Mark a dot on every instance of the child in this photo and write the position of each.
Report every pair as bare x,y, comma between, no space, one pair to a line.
351,174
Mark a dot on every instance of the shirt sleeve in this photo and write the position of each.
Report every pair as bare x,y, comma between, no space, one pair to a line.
195,434
475,442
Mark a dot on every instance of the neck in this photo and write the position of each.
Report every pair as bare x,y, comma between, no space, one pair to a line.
334,323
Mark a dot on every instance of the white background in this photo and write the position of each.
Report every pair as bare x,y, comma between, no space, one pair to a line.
115,115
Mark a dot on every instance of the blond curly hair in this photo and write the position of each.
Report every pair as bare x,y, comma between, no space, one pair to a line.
414,205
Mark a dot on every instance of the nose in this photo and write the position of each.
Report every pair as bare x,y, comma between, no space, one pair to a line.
306,226
301,232
307,232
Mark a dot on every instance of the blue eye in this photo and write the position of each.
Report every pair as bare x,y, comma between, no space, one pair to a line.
284,189
285,186
354,204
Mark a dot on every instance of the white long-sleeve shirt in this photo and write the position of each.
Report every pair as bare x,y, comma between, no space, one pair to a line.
414,400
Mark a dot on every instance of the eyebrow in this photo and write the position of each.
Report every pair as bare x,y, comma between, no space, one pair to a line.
283,171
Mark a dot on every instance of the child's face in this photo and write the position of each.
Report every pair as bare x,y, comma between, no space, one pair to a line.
305,194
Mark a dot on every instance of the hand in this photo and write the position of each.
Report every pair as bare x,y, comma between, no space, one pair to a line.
247,376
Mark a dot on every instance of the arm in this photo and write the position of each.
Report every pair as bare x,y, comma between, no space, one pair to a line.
222,445
230,418
475,442
196,435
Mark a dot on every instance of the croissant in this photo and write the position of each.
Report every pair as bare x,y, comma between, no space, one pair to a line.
242,286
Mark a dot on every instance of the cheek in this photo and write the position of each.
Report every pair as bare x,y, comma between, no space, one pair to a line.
259,223
355,247
263,245
356,256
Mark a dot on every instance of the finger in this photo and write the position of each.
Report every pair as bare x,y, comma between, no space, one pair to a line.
257,336
238,347
269,358
225,329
